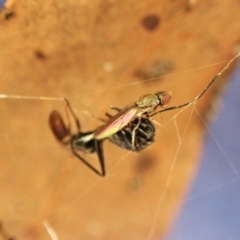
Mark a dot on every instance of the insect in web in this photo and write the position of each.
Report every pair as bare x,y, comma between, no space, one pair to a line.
146,107
123,128
85,141
145,134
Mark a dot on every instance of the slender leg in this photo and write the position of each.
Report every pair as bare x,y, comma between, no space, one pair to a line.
68,106
99,150
201,94
116,108
100,157
134,133
108,115
98,144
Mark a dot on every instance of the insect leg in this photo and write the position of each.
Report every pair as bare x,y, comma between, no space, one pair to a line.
116,108
134,133
108,115
99,149
100,157
68,107
201,94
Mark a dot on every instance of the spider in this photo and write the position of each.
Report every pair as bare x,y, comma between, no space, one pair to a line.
85,141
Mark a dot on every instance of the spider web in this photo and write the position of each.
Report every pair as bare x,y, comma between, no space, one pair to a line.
46,193
212,205
47,186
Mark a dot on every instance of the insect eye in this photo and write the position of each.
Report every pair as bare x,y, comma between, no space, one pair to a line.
164,97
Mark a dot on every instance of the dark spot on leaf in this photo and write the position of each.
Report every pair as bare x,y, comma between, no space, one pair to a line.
190,5
155,71
141,74
9,15
144,163
40,55
151,22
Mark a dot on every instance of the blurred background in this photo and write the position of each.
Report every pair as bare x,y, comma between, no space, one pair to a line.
211,209
103,53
